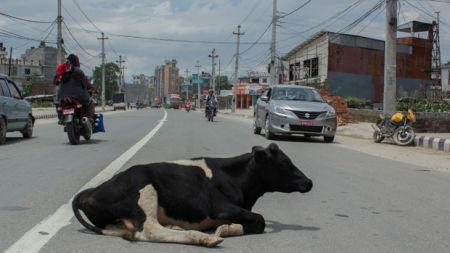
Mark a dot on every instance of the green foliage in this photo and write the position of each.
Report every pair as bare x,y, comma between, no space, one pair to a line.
422,104
358,103
29,84
44,104
112,72
223,83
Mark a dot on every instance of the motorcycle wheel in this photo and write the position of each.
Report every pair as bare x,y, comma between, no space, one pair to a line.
404,136
72,133
211,117
377,137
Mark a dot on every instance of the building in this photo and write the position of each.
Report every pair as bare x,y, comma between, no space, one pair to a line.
445,78
46,56
166,80
20,70
250,88
353,66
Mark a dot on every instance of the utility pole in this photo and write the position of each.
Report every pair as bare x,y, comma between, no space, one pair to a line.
120,61
390,57
9,62
186,83
59,40
273,67
213,58
198,84
236,68
103,38
436,60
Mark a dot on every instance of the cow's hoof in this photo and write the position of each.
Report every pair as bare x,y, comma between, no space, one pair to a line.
221,230
212,241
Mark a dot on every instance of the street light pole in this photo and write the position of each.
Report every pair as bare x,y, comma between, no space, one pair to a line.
186,83
213,58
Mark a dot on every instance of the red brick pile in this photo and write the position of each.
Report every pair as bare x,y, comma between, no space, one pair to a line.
340,105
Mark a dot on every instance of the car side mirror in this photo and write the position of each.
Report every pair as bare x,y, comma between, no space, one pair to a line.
264,98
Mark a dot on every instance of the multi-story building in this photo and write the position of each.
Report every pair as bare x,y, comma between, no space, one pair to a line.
20,70
353,66
167,80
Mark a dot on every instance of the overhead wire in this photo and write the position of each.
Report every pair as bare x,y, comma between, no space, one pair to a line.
296,9
76,41
86,16
26,20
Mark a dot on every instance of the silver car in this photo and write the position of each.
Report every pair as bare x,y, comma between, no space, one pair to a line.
294,109
15,112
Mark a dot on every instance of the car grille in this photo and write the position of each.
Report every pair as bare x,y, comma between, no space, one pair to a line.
303,115
313,129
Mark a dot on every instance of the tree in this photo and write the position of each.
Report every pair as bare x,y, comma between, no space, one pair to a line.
112,72
223,83
28,87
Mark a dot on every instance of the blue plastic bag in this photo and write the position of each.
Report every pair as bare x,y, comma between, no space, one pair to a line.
98,124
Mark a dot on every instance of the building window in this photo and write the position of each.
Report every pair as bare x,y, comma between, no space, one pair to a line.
294,72
264,80
27,71
311,68
254,80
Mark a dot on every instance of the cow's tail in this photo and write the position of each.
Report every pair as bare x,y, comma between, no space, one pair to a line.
76,203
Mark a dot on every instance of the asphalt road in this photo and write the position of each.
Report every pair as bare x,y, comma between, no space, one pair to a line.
359,203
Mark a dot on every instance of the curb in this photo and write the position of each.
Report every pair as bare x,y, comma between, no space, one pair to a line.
432,143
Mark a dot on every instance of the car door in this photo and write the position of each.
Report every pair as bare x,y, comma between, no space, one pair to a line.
21,106
8,104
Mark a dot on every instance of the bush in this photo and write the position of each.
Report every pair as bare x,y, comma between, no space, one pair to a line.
422,104
358,103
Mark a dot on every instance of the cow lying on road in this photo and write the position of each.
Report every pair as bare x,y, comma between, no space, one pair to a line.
174,201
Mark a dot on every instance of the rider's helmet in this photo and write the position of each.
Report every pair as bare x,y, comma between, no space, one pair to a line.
211,92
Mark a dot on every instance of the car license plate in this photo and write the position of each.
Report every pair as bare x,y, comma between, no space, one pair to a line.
68,111
306,122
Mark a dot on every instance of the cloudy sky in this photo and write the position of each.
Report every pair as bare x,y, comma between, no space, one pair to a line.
148,32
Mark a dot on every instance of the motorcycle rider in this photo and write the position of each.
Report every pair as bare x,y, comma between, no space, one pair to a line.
211,100
74,83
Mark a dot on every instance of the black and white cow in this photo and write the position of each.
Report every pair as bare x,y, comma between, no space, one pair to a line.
174,201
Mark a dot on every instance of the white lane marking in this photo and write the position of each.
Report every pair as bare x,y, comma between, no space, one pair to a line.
33,240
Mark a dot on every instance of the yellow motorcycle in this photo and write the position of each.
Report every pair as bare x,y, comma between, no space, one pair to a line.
398,127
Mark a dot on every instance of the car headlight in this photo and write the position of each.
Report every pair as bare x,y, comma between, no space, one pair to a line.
281,111
331,113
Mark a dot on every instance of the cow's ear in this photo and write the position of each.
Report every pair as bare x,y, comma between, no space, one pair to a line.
261,155
273,148
256,148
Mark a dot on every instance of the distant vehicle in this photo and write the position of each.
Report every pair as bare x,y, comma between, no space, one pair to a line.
173,101
156,104
15,111
294,109
119,101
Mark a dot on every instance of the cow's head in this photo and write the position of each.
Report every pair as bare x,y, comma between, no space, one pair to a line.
278,172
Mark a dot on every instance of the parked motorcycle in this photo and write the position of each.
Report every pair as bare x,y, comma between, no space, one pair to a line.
74,121
398,127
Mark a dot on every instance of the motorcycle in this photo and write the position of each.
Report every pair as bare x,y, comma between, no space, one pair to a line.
398,127
210,110
74,121
188,107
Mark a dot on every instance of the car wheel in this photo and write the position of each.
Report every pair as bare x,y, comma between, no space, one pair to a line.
328,139
2,131
256,129
267,132
27,132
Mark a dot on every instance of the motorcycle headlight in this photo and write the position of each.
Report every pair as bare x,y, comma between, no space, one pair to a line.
331,113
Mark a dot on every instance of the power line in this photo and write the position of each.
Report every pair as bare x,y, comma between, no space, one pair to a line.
298,8
257,40
27,20
86,16
76,41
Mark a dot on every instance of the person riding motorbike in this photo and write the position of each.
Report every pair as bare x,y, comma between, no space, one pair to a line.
211,100
74,83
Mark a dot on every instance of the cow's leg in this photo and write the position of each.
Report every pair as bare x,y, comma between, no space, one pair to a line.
242,222
153,231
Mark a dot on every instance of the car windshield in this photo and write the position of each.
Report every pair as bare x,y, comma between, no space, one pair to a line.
296,93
